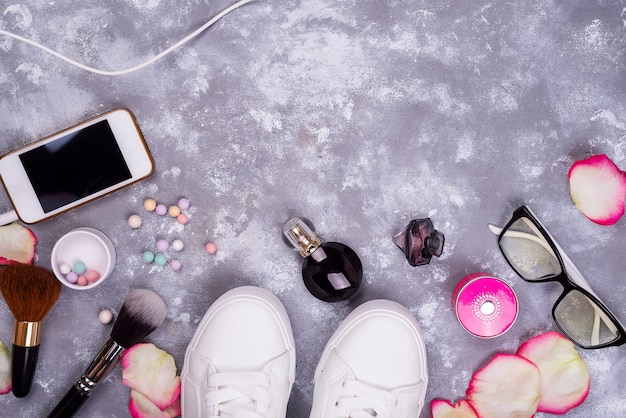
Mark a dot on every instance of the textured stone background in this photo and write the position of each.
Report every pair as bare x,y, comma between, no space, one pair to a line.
359,115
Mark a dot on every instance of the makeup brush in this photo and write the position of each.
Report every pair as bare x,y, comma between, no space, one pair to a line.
143,311
30,292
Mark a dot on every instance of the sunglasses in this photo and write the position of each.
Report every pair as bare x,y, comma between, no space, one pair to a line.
536,257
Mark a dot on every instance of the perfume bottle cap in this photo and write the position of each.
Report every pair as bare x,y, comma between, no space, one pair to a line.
300,234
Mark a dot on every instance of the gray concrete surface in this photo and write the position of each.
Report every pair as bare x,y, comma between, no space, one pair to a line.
359,115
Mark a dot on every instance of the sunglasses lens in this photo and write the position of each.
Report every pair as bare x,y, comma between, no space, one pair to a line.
584,321
528,252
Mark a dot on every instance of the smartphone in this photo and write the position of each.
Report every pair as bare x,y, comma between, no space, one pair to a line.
75,166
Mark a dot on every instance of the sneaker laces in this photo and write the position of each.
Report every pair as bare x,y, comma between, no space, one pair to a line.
365,401
238,394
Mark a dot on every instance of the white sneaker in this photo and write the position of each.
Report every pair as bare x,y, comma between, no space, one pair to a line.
241,360
373,365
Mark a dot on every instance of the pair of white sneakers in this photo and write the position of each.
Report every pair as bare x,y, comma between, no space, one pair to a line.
241,362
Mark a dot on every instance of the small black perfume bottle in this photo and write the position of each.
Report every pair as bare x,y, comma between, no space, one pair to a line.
331,271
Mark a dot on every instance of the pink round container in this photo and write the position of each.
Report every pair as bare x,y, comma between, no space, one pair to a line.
484,305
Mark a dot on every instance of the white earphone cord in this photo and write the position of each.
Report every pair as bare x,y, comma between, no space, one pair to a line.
137,67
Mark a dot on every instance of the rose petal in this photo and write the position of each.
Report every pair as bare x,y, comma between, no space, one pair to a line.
564,375
440,408
152,372
507,387
174,410
5,369
17,244
141,407
598,188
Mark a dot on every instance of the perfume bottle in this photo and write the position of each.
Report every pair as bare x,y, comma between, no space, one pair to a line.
331,271
420,241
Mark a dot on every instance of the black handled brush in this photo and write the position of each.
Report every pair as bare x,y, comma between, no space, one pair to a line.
30,292
142,312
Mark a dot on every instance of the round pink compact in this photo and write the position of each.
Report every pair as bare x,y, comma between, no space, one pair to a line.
484,305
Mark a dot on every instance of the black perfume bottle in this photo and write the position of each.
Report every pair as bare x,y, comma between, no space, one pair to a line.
331,271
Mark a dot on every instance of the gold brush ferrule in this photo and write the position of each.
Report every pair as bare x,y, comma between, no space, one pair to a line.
26,334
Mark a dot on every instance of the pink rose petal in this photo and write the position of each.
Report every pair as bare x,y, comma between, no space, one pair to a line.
5,369
507,387
17,244
440,408
174,410
598,189
142,407
564,375
152,372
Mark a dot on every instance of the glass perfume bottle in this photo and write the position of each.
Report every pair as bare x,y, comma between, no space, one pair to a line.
420,241
331,271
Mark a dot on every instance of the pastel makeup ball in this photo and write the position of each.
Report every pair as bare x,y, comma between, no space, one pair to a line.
89,252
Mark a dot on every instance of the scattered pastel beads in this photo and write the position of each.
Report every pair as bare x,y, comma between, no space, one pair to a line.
148,256
175,264
177,245
183,203
79,267
210,248
149,205
161,209
173,211
134,221
162,245
105,316
160,260
176,211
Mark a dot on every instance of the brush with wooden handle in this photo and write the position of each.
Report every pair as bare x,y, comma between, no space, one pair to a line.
143,311
30,292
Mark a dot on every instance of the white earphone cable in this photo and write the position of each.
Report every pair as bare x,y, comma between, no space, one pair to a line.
137,67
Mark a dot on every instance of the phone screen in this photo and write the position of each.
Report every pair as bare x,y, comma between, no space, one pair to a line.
75,166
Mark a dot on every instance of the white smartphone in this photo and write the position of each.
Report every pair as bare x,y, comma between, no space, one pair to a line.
75,166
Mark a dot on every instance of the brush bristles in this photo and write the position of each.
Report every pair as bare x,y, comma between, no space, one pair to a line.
29,291
142,312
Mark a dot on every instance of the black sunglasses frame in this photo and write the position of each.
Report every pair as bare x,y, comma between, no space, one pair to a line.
563,278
